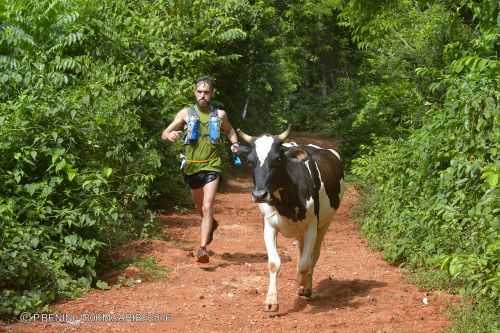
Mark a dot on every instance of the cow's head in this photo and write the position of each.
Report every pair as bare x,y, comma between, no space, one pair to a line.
266,156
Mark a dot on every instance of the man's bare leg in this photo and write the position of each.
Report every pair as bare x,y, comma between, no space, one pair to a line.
197,195
209,191
204,200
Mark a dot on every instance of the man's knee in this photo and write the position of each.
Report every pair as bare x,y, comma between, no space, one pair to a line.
206,208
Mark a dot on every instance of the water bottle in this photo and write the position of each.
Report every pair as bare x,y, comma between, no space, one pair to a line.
214,128
236,160
193,129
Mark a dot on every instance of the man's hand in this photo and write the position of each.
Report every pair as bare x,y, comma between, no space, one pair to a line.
235,148
173,136
172,133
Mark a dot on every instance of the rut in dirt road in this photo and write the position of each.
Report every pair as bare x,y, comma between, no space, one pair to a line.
354,290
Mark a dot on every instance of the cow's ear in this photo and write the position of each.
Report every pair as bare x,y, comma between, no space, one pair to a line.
296,154
286,146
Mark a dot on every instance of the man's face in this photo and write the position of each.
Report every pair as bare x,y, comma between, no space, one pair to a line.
203,94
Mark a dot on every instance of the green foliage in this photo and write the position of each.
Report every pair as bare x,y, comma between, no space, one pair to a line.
318,58
404,55
76,163
435,199
475,317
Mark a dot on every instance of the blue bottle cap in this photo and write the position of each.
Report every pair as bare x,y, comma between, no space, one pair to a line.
237,160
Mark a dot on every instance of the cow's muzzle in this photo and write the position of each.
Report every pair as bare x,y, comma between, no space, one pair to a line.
261,196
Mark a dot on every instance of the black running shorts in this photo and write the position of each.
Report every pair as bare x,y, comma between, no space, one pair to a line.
200,179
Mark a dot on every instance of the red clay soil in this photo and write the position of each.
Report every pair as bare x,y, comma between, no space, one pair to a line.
354,289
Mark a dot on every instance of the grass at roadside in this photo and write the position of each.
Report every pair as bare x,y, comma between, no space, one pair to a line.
131,271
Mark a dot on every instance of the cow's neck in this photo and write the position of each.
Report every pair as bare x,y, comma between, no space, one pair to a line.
294,189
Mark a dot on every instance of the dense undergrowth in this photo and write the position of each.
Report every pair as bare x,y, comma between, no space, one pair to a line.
432,162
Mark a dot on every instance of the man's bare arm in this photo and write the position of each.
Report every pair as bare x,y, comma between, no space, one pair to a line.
229,131
173,131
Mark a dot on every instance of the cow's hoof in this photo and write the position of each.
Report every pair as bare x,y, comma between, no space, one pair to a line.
304,292
202,256
271,307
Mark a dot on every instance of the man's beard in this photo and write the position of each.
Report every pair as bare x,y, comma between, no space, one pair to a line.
202,102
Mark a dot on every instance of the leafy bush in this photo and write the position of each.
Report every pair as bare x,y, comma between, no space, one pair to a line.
435,192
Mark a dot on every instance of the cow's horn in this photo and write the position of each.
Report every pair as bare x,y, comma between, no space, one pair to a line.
284,135
247,138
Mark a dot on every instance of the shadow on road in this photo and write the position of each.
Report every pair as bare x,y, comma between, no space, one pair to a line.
337,294
237,259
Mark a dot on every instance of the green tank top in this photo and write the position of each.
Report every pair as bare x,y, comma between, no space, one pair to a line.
202,155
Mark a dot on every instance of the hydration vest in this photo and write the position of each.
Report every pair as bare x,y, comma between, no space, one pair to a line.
193,126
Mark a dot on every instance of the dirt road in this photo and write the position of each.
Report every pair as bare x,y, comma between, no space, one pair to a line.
354,289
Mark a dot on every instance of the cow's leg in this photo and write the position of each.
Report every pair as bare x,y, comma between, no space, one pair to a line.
302,279
305,266
307,290
300,248
319,240
274,263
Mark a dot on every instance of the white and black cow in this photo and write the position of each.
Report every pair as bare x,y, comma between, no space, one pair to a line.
298,189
